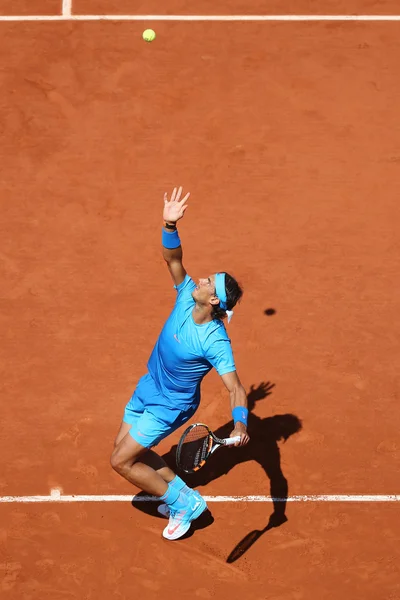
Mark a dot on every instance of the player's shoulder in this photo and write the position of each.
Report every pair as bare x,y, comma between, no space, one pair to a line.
186,284
217,332
185,289
217,345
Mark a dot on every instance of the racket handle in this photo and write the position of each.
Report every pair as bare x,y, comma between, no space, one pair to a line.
232,440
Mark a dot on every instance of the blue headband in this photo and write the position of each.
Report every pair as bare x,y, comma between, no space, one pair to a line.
220,289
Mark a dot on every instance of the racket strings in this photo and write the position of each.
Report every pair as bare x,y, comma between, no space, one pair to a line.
194,448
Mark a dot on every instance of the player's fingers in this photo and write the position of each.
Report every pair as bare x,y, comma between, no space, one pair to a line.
173,195
185,198
165,198
179,193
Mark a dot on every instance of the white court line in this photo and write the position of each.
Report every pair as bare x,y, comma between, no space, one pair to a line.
250,18
56,496
66,8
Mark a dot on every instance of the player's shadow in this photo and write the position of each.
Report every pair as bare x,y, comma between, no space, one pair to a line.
265,435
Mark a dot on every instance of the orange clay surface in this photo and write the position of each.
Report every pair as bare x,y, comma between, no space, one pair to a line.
236,7
287,137
28,7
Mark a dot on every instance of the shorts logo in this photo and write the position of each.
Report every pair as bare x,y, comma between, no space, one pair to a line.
176,338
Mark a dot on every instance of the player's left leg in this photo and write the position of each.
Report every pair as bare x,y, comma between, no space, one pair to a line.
154,460
126,460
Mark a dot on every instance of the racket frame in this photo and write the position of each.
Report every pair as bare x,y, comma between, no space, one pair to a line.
214,443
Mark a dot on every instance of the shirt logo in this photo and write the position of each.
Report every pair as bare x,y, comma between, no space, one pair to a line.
176,338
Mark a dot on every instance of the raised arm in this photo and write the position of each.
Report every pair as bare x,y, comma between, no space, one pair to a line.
174,209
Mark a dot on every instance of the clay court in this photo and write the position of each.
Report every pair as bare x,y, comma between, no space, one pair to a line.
287,135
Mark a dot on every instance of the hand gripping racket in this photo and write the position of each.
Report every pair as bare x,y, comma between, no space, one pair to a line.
196,445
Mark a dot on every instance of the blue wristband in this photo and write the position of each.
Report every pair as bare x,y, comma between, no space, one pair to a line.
239,414
170,240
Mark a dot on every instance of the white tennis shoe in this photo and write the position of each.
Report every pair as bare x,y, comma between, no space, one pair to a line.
180,520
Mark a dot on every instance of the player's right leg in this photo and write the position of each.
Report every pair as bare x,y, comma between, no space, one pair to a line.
129,460
133,415
133,458
126,460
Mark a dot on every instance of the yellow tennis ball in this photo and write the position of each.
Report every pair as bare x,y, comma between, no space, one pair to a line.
149,35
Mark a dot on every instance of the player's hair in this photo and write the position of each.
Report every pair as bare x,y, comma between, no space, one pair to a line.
233,294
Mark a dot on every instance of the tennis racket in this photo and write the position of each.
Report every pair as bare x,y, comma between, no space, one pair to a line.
196,445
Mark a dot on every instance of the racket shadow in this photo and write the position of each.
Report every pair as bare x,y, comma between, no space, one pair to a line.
266,435
252,537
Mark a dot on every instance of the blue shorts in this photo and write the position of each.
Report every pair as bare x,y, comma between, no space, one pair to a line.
151,419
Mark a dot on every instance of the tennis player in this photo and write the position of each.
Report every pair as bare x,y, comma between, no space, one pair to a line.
192,342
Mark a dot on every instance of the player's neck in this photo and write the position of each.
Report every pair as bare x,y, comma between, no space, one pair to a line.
201,314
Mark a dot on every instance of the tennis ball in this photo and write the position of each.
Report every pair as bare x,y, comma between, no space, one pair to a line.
149,35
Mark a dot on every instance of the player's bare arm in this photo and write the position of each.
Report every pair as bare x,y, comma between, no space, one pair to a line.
174,209
238,399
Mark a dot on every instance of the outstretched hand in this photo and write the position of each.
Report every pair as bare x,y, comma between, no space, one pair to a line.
174,209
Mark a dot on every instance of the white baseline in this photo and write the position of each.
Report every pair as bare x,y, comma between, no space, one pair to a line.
67,16
56,496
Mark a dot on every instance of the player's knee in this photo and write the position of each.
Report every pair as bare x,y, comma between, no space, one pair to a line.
117,462
121,464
